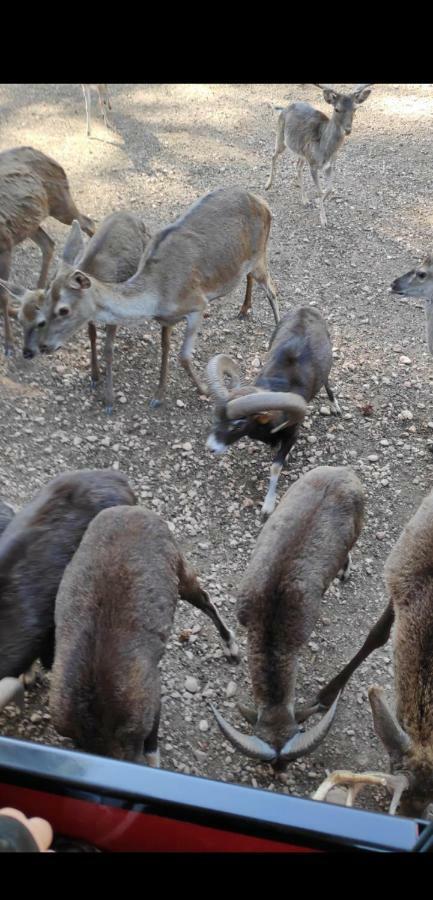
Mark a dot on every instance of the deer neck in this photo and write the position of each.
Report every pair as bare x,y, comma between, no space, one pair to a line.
332,137
127,301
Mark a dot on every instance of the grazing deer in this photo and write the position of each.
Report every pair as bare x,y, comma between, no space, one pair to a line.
32,187
203,255
104,102
407,734
315,138
113,255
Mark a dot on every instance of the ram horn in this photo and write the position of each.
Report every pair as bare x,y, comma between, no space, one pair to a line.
216,369
306,742
250,745
241,407
11,691
388,730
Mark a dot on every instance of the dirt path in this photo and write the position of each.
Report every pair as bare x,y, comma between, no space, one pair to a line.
172,143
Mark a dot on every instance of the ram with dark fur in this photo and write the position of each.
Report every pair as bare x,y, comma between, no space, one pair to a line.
270,409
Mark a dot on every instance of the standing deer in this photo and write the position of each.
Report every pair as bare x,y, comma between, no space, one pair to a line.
32,187
315,138
407,734
113,255
104,102
203,255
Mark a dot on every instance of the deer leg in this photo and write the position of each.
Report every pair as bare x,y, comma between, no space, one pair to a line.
190,590
345,570
246,306
335,407
88,101
277,465
376,638
5,265
300,179
103,104
110,333
46,246
193,322
262,277
315,176
150,748
329,182
159,397
93,356
280,146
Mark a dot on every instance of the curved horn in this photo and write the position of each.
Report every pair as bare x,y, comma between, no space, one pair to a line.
256,403
301,744
216,368
388,730
250,745
11,691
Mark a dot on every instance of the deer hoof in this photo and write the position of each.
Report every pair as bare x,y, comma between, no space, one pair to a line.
109,410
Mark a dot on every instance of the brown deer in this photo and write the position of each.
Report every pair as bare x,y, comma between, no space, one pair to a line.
104,102
32,187
203,255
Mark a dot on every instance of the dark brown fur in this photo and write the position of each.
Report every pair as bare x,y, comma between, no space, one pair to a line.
114,612
299,552
34,550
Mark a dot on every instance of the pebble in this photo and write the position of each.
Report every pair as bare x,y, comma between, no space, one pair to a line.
373,457
180,403
405,360
191,685
406,415
231,689
203,725
325,411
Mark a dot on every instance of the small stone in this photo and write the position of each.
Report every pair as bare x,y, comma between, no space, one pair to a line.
116,465
180,403
203,725
373,457
231,689
77,441
405,360
91,438
105,441
325,411
186,446
380,535
122,399
406,415
191,685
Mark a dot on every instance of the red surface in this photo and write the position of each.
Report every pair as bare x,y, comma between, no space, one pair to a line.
116,830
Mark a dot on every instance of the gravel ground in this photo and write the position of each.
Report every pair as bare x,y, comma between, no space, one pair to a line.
169,145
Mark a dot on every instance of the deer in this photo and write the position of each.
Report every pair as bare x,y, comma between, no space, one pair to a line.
35,547
418,283
105,685
406,734
302,547
271,409
112,254
316,139
221,239
32,187
104,102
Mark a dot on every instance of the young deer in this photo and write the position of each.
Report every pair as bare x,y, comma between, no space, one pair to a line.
203,255
408,734
418,283
113,254
32,187
315,138
104,102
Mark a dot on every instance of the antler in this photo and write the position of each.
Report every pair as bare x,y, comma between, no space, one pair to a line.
395,784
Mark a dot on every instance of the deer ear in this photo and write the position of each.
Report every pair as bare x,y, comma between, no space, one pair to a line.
74,244
362,95
79,281
330,96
